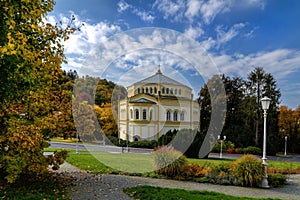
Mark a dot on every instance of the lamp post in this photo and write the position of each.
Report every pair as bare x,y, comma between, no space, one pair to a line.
285,144
219,138
265,102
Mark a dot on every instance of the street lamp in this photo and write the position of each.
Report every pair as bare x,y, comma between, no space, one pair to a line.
219,138
285,138
265,102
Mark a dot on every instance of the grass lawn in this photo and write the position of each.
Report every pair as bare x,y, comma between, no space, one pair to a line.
104,162
149,192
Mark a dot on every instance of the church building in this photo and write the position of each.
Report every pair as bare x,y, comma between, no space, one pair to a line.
154,106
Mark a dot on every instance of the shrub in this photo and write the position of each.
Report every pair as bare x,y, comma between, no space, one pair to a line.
192,171
251,150
144,144
248,170
168,161
227,145
276,180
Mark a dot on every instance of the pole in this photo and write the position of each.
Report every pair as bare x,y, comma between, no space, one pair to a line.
285,138
221,149
264,158
76,142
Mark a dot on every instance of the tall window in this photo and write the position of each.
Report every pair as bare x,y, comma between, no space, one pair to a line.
155,90
171,90
179,91
167,90
163,90
147,91
182,116
168,116
131,114
175,116
151,90
151,114
175,91
139,90
143,91
144,114
137,114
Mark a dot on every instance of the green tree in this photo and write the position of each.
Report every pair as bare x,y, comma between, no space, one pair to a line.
31,54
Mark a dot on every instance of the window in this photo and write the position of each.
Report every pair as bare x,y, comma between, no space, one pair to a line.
175,116
179,91
175,91
163,90
182,116
143,91
137,114
167,91
139,90
171,90
151,90
155,90
131,114
144,114
151,114
168,116
147,91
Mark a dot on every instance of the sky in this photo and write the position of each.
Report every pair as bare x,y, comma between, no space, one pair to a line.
126,40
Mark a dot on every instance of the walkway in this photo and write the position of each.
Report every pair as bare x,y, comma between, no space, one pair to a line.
90,186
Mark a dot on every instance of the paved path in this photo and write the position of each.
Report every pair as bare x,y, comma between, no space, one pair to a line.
90,186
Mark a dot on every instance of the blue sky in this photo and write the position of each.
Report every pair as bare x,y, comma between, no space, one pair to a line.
237,36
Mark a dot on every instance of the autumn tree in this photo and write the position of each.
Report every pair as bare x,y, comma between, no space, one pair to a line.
289,125
31,53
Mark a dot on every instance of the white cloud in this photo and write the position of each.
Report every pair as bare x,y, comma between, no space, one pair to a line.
225,36
171,9
145,16
122,6
210,9
194,32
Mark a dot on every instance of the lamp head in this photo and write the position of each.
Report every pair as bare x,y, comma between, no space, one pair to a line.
265,103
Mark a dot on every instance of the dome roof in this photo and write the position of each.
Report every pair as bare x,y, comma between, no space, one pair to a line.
158,77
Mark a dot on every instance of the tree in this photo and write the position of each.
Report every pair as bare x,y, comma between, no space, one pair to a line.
289,120
31,53
258,85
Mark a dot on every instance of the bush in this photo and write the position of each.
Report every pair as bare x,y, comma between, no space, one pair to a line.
192,171
250,150
144,144
276,180
226,146
248,170
168,161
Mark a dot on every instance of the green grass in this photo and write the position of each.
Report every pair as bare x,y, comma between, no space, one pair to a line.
104,162
45,186
153,193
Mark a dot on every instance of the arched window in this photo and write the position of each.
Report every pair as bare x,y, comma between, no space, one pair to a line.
143,91
179,91
182,116
131,114
167,90
175,116
144,114
168,116
175,91
151,90
137,114
163,90
151,114
155,90
147,91
171,90
139,90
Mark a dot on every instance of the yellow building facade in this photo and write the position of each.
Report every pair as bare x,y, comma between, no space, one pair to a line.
154,106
